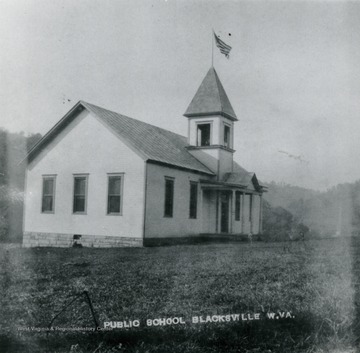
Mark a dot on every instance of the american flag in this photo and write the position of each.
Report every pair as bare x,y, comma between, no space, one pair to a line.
224,48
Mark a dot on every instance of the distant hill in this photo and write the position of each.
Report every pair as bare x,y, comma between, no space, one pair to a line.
13,149
335,212
283,195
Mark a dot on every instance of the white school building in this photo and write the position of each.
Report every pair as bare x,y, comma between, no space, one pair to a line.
102,179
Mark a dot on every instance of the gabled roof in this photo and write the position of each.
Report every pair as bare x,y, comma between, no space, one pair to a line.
242,177
238,178
211,99
150,142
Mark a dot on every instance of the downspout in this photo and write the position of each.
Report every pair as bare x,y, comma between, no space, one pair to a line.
251,211
145,194
233,197
242,212
24,205
217,213
261,215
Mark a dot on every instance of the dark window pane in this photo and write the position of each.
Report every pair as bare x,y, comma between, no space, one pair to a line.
79,194
114,194
47,204
79,203
227,136
114,185
203,134
48,195
237,205
80,186
193,199
114,204
250,207
169,197
48,186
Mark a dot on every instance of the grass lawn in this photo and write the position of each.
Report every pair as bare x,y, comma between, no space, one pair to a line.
315,281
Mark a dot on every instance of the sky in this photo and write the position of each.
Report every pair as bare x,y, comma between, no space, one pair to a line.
293,76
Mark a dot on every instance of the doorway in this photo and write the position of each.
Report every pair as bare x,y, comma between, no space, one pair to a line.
224,212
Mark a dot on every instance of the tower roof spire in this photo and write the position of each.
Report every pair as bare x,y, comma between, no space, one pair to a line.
211,99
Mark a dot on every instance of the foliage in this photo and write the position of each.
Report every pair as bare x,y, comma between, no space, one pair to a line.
334,212
13,149
280,225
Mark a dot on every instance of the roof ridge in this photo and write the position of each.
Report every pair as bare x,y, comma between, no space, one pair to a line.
128,117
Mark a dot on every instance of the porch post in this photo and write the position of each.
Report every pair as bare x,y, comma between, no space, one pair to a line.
217,211
261,215
242,212
232,220
251,210
200,209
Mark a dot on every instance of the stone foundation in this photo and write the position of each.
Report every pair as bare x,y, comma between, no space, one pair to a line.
198,239
33,239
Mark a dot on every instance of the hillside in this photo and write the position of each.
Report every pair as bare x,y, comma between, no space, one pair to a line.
334,212
13,149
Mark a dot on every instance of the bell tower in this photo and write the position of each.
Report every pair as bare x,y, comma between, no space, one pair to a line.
211,125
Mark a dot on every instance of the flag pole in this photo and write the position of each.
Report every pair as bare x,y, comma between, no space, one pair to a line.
212,48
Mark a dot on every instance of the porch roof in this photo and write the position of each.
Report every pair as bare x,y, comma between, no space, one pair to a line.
221,185
240,180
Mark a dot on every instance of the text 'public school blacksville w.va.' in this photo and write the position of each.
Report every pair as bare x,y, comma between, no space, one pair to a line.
102,179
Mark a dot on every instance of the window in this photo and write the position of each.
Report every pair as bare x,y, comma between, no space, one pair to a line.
193,199
169,197
80,189
237,205
203,135
48,194
227,136
114,194
250,207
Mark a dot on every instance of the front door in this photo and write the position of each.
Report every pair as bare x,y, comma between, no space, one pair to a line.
224,212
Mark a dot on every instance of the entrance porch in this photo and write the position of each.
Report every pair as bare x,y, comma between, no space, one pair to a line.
230,209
